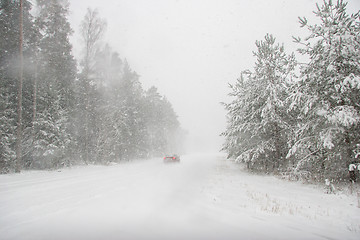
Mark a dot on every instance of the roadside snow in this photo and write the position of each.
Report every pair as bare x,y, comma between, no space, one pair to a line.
202,197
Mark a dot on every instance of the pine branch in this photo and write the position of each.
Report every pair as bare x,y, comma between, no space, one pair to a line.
303,159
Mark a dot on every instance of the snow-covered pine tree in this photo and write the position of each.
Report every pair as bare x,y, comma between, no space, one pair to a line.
172,127
258,122
121,132
161,123
9,51
155,124
59,66
109,71
51,137
9,71
328,94
56,76
7,131
131,95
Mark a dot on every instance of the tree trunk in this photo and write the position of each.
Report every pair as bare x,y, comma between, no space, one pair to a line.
35,100
18,161
34,110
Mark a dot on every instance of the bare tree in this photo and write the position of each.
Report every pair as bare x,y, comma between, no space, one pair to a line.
92,29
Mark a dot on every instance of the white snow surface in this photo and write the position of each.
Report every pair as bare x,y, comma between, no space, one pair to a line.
202,197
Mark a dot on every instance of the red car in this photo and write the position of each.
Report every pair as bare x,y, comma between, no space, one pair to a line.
171,158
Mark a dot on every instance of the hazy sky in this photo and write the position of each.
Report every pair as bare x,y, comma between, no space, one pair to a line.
191,49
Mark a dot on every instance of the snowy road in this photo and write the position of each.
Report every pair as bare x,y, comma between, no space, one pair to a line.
203,197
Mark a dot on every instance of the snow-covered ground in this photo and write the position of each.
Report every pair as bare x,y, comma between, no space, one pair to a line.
202,197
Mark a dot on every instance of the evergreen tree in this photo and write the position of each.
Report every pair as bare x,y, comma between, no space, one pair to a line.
59,67
108,70
9,73
155,122
7,130
161,123
52,138
328,93
258,122
130,95
56,76
9,21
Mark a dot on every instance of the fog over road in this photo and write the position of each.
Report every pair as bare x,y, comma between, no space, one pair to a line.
204,196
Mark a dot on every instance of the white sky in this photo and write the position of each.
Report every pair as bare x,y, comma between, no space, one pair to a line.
191,49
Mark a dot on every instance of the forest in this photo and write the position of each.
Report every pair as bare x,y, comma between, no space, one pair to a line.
296,118
301,119
56,111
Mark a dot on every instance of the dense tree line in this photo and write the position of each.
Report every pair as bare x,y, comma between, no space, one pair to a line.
301,119
92,113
